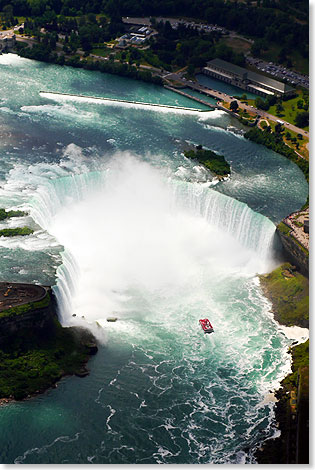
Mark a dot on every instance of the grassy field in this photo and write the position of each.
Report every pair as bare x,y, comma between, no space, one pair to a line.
302,149
237,44
290,109
102,52
288,291
299,63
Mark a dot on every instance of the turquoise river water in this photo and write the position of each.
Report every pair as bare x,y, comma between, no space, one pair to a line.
125,225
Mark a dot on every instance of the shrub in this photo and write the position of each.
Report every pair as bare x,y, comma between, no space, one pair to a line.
211,160
13,232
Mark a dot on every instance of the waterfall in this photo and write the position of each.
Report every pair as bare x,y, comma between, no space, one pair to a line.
251,229
132,228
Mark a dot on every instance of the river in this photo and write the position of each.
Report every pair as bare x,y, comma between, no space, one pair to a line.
126,226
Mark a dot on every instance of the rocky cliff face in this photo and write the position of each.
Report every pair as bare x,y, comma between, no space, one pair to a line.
295,253
37,319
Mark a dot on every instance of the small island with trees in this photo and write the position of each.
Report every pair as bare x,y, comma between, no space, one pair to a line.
17,231
212,161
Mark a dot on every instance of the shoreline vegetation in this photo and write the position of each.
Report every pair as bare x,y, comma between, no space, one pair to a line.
4,214
288,291
291,414
31,364
13,232
274,141
212,161
35,357
116,68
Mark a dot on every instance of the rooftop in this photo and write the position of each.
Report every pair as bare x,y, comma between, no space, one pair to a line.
252,76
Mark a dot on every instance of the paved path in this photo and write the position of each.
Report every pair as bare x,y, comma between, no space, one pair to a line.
206,103
228,99
298,232
14,294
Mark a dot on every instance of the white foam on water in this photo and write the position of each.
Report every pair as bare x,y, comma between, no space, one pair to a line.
64,110
13,59
295,333
116,103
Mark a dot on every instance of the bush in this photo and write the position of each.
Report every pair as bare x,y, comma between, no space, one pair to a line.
302,119
275,143
33,361
7,214
211,160
13,232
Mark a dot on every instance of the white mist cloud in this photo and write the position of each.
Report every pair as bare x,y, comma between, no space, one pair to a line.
136,246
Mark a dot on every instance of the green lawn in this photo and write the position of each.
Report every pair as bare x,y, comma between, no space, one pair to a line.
237,44
102,52
290,110
289,292
302,147
302,143
299,63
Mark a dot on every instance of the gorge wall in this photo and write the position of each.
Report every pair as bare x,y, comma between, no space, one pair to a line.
37,316
294,252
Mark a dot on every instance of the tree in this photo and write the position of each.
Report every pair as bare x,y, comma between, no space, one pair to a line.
279,108
300,104
234,106
191,70
272,99
261,104
258,46
278,128
302,119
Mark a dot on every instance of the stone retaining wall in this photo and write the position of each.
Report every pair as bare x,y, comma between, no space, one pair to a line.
295,253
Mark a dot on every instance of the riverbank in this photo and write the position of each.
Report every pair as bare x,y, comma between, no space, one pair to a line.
274,142
36,351
291,414
288,291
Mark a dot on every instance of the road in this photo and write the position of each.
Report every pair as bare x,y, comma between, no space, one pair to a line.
223,96
29,40
195,86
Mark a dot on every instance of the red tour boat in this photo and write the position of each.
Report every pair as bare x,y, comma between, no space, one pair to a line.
206,325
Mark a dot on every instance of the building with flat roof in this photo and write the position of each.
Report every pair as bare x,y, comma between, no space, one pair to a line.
246,79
